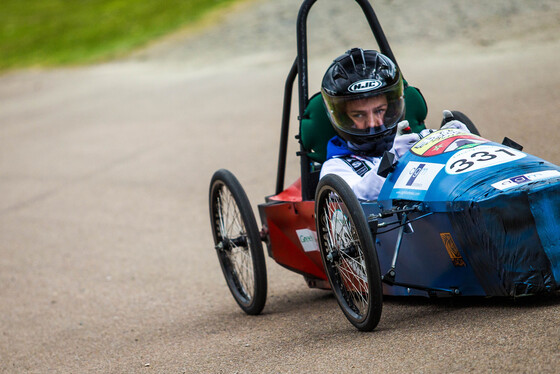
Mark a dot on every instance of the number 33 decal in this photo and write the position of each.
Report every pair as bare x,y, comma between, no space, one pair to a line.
480,157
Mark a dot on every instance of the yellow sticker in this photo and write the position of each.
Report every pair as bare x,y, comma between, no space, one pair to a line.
447,140
452,250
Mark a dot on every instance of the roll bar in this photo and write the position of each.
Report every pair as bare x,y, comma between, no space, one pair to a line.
300,68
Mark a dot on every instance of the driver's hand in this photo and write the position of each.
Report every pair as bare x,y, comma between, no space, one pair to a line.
456,125
404,141
453,123
403,127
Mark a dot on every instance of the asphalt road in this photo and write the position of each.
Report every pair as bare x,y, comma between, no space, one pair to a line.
106,256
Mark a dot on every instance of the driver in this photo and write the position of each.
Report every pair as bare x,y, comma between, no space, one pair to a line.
363,93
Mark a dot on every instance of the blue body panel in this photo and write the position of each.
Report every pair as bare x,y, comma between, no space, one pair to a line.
494,222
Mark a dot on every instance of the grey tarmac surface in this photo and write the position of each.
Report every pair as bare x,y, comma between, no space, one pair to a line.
106,256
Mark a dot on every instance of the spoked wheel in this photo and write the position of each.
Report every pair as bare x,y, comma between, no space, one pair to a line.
238,242
348,252
461,117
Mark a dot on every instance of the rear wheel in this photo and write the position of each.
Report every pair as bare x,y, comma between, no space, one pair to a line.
348,252
237,242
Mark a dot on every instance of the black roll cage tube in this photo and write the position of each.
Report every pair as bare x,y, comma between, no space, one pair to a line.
300,68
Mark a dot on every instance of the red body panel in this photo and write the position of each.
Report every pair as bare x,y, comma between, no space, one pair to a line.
283,217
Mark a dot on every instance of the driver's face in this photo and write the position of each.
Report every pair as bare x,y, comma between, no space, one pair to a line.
367,113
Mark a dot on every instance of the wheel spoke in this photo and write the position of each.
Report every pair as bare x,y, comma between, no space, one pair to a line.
348,252
350,268
237,242
231,226
242,266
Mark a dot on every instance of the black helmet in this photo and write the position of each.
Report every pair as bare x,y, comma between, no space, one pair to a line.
355,79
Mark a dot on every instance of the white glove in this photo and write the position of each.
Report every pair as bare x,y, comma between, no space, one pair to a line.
453,124
403,142
426,132
403,127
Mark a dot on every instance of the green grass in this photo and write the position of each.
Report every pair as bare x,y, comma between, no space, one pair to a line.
49,33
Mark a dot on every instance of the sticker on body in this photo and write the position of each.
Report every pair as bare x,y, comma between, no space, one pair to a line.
415,180
418,175
480,157
525,178
308,240
446,140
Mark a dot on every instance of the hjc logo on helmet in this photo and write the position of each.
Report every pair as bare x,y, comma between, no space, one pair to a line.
364,85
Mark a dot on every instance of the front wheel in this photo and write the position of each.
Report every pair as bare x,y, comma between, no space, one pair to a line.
348,252
237,242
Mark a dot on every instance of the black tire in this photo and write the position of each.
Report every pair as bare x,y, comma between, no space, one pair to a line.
348,252
461,117
237,242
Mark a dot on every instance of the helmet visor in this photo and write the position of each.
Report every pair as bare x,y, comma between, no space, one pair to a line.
366,115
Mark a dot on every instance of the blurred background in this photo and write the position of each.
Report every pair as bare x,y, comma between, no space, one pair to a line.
115,114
